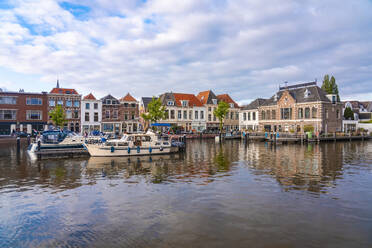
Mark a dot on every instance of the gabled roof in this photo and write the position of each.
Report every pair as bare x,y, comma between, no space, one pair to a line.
226,98
254,104
109,97
64,91
128,98
205,97
89,97
193,101
146,101
315,94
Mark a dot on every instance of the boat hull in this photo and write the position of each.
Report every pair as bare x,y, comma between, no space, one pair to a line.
99,151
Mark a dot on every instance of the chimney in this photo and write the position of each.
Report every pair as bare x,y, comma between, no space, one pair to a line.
57,84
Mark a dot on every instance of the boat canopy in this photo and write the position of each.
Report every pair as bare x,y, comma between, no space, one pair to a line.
160,124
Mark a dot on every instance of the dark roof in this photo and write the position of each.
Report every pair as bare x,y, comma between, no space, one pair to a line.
146,101
205,97
164,98
254,104
109,97
316,94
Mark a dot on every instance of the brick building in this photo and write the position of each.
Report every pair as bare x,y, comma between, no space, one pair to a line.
231,121
110,115
129,114
70,100
296,106
23,111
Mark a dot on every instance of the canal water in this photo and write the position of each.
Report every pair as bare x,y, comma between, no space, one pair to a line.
234,195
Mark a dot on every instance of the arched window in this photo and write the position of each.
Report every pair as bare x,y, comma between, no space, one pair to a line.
307,113
300,113
314,112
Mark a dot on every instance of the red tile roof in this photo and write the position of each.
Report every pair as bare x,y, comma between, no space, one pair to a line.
191,98
128,98
89,97
64,91
203,96
228,99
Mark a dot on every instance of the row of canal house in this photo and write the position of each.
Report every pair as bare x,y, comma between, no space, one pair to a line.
195,112
292,108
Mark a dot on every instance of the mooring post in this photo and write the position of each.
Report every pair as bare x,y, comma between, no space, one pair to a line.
18,144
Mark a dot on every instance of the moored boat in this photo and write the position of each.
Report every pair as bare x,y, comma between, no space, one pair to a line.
132,145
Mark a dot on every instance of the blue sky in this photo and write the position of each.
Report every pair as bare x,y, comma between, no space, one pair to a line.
246,48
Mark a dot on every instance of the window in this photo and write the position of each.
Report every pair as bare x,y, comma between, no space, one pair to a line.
249,116
172,114
8,100
338,114
202,114
209,109
6,114
133,116
33,115
286,113
179,116
107,114
196,115
273,114
190,114
115,114
108,101
87,105
232,115
170,103
214,118
209,117
314,112
68,103
184,103
184,114
95,117
52,103
244,116
68,114
34,101
76,114
167,114
231,105
263,115
307,113
126,104
60,102
108,127
326,113
236,115
133,105
300,113
254,116
126,116
95,105
76,104
268,114
214,101
87,116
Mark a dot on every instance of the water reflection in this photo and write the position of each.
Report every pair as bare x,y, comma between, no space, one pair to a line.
235,194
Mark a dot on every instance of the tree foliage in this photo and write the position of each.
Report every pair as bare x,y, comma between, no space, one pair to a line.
330,86
221,111
308,128
348,114
156,112
58,116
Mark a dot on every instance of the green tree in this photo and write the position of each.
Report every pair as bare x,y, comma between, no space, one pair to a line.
58,116
308,128
220,112
156,112
330,86
348,114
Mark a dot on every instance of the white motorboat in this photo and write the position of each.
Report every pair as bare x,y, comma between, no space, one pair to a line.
132,145
56,143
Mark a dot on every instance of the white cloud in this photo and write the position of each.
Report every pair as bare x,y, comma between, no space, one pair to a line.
246,48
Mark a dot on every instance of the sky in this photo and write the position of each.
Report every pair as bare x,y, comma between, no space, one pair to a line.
246,48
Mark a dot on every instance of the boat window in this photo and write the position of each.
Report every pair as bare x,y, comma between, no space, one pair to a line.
138,138
165,143
123,144
110,144
146,138
157,144
130,138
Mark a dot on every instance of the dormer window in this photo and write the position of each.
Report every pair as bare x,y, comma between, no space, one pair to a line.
306,93
184,103
170,103
108,101
214,101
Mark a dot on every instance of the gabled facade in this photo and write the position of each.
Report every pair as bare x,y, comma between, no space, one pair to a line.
210,102
70,101
184,110
91,114
110,115
296,106
129,114
231,122
23,111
